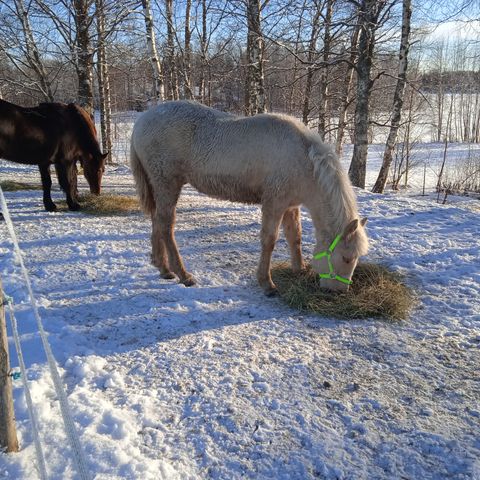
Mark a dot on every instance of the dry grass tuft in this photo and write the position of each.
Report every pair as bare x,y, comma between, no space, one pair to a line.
376,292
12,186
106,204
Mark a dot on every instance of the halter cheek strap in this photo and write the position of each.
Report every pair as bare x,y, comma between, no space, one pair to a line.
331,275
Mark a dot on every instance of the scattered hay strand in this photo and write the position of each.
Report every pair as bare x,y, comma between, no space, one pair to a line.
13,186
106,204
376,292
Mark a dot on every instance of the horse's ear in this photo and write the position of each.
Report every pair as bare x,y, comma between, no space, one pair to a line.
350,229
363,221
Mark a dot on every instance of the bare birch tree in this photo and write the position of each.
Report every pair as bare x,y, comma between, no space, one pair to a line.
158,79
311,57
397,106
187,54
324,71
103,81
369,14
170,60
84,51
346,91
254,85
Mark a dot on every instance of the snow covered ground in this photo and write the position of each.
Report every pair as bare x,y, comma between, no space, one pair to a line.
217,381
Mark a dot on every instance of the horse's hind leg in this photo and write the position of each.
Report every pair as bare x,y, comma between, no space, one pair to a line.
271,218
292,227
47,186
159,252
166,201
67,178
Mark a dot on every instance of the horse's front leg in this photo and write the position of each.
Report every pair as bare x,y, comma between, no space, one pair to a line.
67,178
292,228
271,218
47,186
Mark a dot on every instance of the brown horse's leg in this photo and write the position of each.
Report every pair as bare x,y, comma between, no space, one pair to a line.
47,185
292,227
159,253
271,218
67,178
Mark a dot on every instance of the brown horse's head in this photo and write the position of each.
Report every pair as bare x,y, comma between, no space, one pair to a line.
90,155
93,168
337,263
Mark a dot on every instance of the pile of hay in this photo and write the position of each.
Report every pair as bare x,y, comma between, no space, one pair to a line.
12,186
106,204
376,292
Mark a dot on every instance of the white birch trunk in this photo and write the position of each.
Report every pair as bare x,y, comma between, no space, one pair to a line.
379,186
369,13
84,64
171,66
103,82
159,90
255,88
346,93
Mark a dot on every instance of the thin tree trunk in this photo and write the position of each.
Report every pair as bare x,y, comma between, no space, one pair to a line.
187,54
33,55
84,62
159,90
103,82
171,66
345,98
312,51
379,186
369,14
203,53
291,94
323,86
254,88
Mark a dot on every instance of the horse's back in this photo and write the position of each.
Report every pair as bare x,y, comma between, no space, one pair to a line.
25,134
220,154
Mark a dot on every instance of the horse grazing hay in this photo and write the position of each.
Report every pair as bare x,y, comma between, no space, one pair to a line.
271,160
375,292
53,134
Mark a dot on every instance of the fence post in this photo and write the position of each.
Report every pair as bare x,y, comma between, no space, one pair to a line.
8,432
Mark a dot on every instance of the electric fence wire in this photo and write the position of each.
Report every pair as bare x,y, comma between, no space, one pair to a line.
78,455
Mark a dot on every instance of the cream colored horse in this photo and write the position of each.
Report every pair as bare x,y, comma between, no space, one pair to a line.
272,160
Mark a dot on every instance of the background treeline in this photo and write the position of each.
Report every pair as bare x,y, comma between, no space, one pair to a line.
356,70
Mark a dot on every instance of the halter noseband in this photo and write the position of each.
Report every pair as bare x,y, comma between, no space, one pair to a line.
331,275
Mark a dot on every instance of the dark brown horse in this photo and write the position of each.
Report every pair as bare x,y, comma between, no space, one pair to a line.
53,133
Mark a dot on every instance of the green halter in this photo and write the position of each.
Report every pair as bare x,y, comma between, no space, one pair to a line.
331,275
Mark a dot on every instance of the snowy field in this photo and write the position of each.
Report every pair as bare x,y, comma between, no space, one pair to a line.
219,382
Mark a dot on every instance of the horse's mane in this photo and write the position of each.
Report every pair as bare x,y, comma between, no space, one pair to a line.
86,128
340,201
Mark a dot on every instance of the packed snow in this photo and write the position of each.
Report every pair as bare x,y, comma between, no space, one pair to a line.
218,381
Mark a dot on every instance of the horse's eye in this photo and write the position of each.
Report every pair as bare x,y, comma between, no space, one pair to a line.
346,260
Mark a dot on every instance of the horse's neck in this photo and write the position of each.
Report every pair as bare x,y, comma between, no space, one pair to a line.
328,217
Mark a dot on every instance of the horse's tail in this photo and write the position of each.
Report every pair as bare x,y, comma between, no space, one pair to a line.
144,189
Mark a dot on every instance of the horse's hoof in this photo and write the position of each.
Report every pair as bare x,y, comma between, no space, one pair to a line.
189,281
271,291
74,207
50,207
167,275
